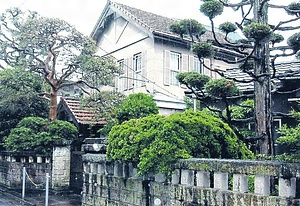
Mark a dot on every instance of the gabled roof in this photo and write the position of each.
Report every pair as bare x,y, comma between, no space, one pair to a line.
78,113
156,24
284,71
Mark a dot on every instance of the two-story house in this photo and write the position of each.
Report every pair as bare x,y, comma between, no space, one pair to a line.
149,54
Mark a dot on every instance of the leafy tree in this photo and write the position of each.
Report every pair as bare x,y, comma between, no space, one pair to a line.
155,142
53,49
136,106
38,135
19,98
104,104
254,51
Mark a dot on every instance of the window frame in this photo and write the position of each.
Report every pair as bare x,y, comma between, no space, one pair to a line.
175,67
137,69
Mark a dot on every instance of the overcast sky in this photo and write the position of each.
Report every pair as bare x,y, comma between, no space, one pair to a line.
83,14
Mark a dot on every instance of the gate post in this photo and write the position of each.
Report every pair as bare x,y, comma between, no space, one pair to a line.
61,165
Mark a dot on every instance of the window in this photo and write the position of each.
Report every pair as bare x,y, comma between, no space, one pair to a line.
137,66
175,62
197,65
121,84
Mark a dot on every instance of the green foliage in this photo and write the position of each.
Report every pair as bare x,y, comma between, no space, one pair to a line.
193,79
188,27
245,110
212,137
203,50
294,41
19,98
227,27
177,28
289,142
258,31
136,106
293,8
104,103
276,38
212,8
154,143
221,88
38,135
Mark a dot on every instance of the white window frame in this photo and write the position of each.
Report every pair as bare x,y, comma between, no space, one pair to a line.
122,76
137,67
197,65
175,67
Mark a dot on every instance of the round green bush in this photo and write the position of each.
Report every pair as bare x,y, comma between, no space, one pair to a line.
258,31
38,135
276,38
212,8
221,88
227,27
293,8
193,79
203,50
136,106
154,143
294,41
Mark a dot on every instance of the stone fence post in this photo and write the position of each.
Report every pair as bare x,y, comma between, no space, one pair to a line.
61,162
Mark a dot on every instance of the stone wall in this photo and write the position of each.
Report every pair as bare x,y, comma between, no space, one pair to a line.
56,164
11,169
203,182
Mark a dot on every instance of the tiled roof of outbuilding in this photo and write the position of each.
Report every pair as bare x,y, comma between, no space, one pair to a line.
82,115
284,71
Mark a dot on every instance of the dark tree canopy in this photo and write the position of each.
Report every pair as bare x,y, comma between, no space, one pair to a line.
19,98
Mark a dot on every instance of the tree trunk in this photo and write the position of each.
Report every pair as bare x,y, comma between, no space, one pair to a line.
262,87
53,104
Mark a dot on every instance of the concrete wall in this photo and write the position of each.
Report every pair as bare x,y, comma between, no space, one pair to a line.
205,182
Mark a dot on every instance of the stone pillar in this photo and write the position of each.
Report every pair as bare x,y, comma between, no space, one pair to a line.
203,179
13,159
23,159
187,177
287,187
39,159
221,180
118,169
160,178
240,183
176,177
30,159
61,158
262,185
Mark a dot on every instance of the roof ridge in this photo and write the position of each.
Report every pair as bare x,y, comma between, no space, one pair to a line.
125,9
